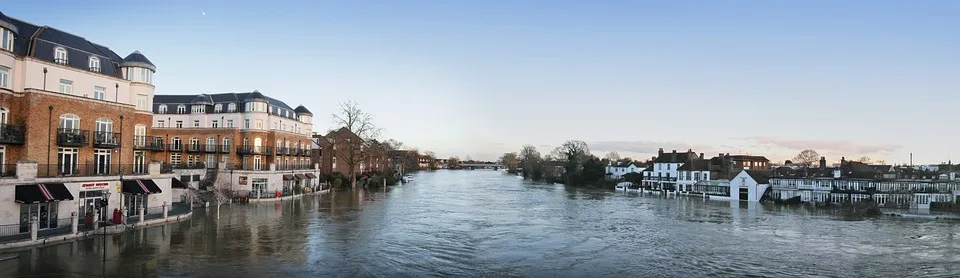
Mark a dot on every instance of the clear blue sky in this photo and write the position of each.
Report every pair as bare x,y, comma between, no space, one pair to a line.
478,78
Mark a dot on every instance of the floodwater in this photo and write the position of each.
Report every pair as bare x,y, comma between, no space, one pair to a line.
486,223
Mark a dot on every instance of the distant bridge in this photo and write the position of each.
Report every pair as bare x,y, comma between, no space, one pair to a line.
474,166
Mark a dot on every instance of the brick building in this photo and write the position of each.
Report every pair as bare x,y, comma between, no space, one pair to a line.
252,143
70,111
333,153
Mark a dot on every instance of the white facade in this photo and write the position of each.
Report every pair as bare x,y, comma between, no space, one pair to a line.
744,181
620,170
240,120
687,179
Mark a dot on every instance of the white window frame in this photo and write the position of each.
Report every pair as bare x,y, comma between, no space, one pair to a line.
217,108
141,102
162,109
66,86
232,107
179,124
69,121
60,55
196,123
5,76
99,92
215,124
94,64
198,109
181,109
229,124
6,40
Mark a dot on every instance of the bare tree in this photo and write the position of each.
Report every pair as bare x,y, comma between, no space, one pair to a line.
531,160
573,154
865,159
354,147
806,158
453,162
510,160
613,156
432,162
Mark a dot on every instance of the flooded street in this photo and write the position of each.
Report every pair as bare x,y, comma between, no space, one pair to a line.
485,223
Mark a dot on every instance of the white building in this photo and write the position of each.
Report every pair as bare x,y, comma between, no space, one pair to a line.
665,169
620,169
749,185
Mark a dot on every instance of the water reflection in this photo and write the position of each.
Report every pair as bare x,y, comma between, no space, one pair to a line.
483,223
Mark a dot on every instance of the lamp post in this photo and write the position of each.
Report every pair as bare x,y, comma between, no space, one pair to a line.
120,151
116,95
105,203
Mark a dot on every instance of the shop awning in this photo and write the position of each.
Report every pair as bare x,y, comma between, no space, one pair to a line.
176,183
311,175
300,176
287,177
42,193
140,187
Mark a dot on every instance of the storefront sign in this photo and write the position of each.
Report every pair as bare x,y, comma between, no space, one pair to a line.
94,186
243,180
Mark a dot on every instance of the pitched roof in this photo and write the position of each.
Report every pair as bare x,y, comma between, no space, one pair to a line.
739,157
760,176
224,98
39,42
136,59
302,110
695,165
675,157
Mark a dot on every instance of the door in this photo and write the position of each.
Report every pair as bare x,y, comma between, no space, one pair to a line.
133,203
102,162
138,162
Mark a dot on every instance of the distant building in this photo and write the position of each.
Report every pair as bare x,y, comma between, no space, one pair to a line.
618,169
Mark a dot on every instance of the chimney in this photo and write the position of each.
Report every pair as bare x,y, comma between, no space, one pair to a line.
660,152
727,154
823,162
673,156
701,155
689,150
674,151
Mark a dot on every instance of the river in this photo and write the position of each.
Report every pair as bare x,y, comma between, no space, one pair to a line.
485,223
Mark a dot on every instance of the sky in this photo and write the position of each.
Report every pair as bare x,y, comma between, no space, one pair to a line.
476,79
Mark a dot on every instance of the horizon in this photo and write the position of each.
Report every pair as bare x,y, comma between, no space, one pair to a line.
480,79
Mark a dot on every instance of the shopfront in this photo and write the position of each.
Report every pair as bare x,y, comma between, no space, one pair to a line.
92,194
41,201
136,193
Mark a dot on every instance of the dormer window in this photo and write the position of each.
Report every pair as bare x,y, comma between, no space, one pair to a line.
218,108
162,109
60,55
198,109
232,107
181,109
94,64
6,40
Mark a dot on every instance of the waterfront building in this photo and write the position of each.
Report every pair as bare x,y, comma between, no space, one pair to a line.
618,169
664,170
245,144
71,114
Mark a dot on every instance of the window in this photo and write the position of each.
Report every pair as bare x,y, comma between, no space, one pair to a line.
176,144
149,75
101,162
4,76
104,125
195,143
94,64
66,86
161,123
69,121
140,135
211,144
179,124
175,159
218,108
67,161
129,74
232,107
60,55
6,39
198,109
141,102
162,109
226,144
181,109
230,123
259,124
214,124
246,123
143,75
196,123
99,92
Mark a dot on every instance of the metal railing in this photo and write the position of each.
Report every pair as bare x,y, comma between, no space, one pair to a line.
89,168
284,151
224,148
193,148
216,149
11,229
150,143
106,139
12,134
281,167
71,137
8,170
264,150
196,165
175,147
248,167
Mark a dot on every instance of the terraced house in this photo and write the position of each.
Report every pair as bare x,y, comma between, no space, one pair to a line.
71,112
243,143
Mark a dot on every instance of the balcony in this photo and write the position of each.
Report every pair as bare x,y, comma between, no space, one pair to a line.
149,143
193,148
71,137
105,139
197,165
211,148
224,148
89,168
175,147
12,134
305,153
249,167
255,150
284,151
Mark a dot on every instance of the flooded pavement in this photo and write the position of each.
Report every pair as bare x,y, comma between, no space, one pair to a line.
485,223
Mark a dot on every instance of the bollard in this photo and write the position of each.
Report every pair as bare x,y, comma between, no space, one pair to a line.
141,215
96,220
165,212
126,214
75,222
34,226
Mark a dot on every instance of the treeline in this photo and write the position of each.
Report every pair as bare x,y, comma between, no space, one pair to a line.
570,164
